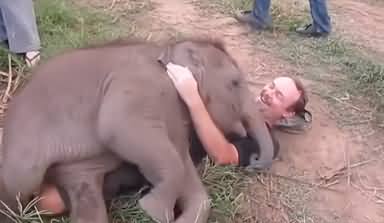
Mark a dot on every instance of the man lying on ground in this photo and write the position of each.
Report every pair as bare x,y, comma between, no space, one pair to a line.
278,101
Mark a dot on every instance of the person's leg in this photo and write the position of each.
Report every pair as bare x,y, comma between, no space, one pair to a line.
3,33
321,22
259,17
52,200
20,27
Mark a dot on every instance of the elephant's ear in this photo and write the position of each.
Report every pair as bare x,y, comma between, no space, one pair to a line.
184,55
165,56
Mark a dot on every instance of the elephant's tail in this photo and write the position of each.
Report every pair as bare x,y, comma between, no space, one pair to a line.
2,186
1,147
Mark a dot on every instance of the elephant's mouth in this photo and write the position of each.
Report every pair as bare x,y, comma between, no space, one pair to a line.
232,137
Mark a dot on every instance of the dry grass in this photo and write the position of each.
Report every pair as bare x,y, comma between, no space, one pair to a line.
10,82
29,213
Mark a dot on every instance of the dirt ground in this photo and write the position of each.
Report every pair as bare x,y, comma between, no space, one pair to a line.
361,22
344,164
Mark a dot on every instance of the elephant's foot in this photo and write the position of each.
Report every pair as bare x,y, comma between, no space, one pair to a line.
157,209
196,210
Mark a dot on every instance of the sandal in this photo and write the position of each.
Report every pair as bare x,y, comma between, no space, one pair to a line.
32,58
297,124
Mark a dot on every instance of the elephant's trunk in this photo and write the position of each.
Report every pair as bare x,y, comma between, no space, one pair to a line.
257,129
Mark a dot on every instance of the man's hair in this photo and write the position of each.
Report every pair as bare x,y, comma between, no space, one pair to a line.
299,106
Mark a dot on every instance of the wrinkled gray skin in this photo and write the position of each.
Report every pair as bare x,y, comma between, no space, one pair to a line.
86,111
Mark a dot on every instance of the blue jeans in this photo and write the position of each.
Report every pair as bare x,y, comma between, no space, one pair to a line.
319,12
18,25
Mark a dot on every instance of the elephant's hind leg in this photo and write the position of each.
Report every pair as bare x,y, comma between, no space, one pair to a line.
21,178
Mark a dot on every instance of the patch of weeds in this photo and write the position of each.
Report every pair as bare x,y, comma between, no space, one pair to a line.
126,209
295,199
368,77
225,185
364,75
224,6
288,18
26,214
63,26
4,63
283,18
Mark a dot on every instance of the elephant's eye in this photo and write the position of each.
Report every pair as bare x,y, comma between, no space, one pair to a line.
234,108
235,83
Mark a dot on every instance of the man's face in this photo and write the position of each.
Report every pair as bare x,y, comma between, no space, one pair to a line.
276,97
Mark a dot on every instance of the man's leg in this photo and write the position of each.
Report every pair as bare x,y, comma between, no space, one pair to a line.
321,22
3,33
259,17
52,200
19,21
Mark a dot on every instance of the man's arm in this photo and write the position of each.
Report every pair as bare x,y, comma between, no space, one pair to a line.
214,142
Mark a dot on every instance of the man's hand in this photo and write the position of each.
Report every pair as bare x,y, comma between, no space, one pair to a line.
184,83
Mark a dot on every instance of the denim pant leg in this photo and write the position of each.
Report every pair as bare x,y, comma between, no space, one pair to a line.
320,17
3,33
19,20
261,11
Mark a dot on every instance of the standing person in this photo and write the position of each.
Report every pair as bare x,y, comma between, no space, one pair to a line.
259,18
18,29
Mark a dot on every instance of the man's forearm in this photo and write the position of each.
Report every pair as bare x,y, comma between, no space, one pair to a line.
214,142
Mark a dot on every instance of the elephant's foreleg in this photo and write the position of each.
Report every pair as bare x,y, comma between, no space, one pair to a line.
83,181
194,201
157,159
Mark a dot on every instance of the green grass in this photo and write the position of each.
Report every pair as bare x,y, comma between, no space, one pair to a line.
364,75
62,26
225,185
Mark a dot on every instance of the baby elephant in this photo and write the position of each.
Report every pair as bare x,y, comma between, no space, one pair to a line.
104,101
